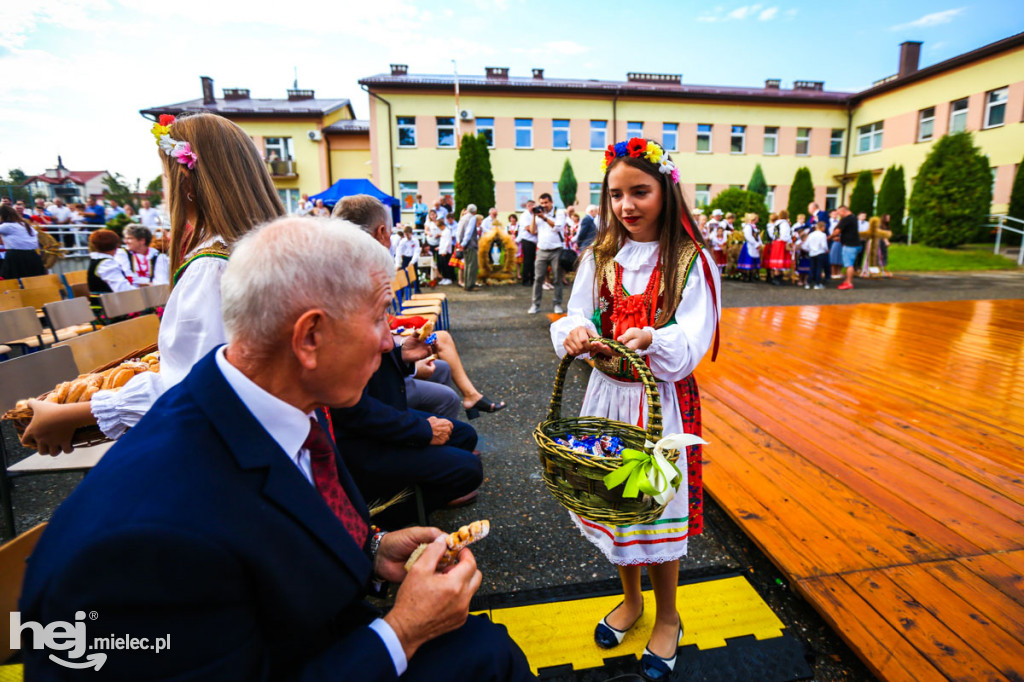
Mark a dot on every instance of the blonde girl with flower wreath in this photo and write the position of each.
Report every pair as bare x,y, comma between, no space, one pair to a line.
649,283
218,188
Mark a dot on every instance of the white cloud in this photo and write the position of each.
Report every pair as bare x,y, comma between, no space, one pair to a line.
18,20
743,12
929,20
790,13
768,14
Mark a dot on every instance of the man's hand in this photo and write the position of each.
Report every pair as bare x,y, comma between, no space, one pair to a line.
414,350
636,339
428,603
395,548
424,370
442,429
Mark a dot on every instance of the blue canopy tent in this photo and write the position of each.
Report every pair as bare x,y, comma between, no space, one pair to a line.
346,188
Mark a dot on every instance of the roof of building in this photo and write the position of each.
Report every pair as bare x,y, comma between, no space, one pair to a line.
348,127
654,87
77,177
255,108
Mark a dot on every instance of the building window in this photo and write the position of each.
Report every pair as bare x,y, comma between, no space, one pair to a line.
704,137
595,193
670,136
925,124
835,143
406,131
702,197
524,133
958,116
598,134
995,107
869,138
634,129
445,131
831,198
524,193
738,141
278,148
485,127
803,141
407,193
446,189
560,133
771,140
290,199
769,198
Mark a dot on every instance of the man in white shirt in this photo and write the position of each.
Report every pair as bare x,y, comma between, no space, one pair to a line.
59,213
548,224
527,237
488,221
149,216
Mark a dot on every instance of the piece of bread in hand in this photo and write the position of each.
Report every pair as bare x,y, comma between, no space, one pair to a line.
463,537
426,330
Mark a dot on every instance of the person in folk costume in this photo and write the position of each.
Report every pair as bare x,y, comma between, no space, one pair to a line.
750,255
137,257
780,259
218,189
647,282
718,248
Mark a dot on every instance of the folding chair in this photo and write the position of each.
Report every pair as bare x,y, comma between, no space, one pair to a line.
428,298
25,377
76,278
112,342
156,295
41,281
11,299
123,303
398,287
69,318
20,327
13,556
8,284
37,297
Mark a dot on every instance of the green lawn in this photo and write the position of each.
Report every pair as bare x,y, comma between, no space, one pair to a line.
918,258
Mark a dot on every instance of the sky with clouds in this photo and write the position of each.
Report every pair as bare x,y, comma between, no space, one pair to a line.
76,72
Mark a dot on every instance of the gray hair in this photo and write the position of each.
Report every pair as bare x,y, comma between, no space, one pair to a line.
139,232
281,269
471,209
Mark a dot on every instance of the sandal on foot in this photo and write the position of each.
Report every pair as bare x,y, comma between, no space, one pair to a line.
608,637
654,667
483,405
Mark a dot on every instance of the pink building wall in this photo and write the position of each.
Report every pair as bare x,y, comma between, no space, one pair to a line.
542,133
504,132
755,140
426,131
1004,184
579,133
787,140
505,194
1015,103
975,111
820,140
720,138
900,130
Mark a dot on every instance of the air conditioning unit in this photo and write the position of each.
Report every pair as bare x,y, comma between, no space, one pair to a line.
315,135
466,115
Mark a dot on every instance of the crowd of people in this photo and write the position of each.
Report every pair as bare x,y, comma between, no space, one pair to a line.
95,211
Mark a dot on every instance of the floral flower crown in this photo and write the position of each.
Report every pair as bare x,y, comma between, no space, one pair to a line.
638,147
179,151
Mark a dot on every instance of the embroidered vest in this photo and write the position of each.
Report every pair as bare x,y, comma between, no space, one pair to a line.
618,367
97,285
218,250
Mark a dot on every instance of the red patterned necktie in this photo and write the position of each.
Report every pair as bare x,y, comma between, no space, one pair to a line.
325,477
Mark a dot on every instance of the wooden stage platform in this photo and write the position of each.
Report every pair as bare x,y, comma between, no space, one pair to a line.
875,453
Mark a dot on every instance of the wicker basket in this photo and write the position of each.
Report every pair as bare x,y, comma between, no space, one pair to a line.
577,481
85,436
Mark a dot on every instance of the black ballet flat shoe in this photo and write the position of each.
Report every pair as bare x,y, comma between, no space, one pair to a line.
655,668
485,404
607,637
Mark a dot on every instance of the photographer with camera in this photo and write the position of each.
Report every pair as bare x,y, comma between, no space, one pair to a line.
548,224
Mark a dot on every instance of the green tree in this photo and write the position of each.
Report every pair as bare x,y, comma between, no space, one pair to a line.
892,200
118,189
801,193
757,182
1016,209
155,190
952,193
740,202
567,185
12,186
474,179
862,198
485,182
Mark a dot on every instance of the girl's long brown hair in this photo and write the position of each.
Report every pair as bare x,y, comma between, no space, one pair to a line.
9,214
229,186
672,235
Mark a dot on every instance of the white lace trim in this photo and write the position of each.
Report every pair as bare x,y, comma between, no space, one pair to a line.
635,255
673,551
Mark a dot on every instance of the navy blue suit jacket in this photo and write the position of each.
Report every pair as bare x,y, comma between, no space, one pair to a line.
198,526
587,233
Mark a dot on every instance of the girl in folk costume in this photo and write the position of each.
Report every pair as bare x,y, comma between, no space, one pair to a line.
718,241
779,258
218,188
750,256
648,283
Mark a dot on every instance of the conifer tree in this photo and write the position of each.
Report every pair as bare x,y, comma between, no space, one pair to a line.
952,193
757,182
892,200
862,198
473,179
801,193
1016,209
741,202
567,185
485,199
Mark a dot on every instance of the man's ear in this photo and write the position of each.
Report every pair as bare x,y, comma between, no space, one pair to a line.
308,337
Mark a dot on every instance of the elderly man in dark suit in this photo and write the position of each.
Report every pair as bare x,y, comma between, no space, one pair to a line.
226,523
588,228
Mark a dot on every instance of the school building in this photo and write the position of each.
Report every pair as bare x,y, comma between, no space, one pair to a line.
716,134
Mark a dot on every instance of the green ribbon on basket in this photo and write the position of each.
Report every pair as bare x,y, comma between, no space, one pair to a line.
652,474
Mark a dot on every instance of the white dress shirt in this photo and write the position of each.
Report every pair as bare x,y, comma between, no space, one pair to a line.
289,427
150,217
111,272
19,238
551,237
524,235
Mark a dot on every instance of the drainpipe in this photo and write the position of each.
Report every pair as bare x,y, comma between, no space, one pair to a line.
391,147
849,142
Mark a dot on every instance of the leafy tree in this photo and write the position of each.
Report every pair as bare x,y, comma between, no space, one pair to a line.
740,202
155,190
118,189
892,200
1016,209
17,176
11,186
474,179
567,185
862,198
952,193
801,193
757,182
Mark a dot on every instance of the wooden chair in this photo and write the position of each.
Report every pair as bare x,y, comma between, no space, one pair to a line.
112,342
69,318
20,327
11,299
123,303
37,297
425,299
156,295
398,287
9,284
80,291
41,281
76,277
13,556
30,376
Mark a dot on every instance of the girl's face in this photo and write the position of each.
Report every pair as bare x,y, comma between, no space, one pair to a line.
636,201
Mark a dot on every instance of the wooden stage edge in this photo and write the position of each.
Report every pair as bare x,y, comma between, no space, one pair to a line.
875,453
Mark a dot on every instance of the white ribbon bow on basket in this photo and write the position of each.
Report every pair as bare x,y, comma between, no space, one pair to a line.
652,474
